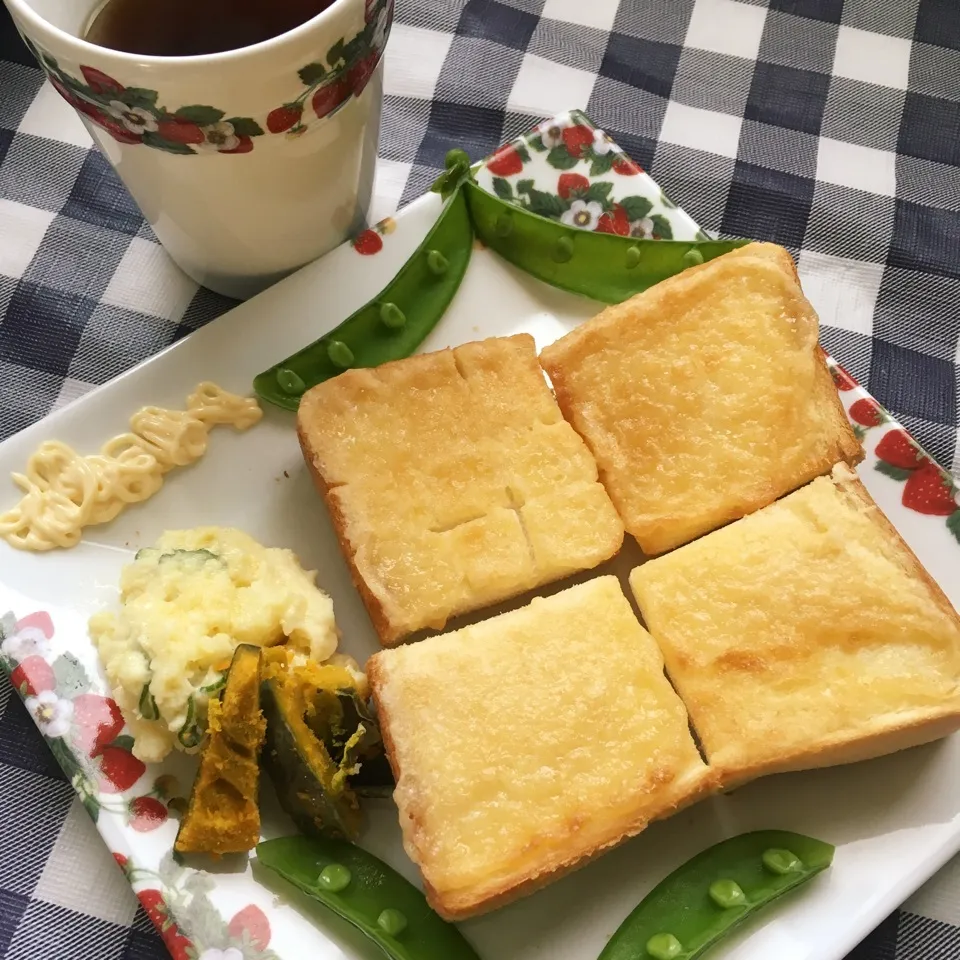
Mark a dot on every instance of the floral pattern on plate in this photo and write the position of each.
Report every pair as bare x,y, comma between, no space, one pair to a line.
132,115
568,169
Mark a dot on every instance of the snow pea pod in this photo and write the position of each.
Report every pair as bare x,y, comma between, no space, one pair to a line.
603,266
718,889
367,893
390,326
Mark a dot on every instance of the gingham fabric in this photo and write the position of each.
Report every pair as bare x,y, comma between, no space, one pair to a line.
831,127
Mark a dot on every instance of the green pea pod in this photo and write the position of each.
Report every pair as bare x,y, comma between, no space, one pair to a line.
393,324
701,901
603,266
367,893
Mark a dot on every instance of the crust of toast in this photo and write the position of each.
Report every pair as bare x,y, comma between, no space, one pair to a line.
639,458
588,835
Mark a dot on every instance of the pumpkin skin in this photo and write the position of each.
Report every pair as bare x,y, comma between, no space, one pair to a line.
222,814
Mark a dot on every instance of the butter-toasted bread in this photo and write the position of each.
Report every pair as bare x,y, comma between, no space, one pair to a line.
805,635
526,744
454,482
705,397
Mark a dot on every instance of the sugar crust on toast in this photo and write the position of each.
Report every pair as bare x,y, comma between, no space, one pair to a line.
453,482
805,635
514,743
705,397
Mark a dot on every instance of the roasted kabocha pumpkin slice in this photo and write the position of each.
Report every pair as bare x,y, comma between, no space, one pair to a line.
222,815
323,746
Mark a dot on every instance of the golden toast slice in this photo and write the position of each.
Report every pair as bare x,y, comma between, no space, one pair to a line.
805,635
526,744
454,482
705,397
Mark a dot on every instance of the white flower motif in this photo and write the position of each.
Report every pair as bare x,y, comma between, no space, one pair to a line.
214,953
582,214
641,228
551,133
52,715
135,119
217,136
602,144
28,642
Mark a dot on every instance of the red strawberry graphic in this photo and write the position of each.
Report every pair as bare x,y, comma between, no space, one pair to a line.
842,379
505,162
626,167
369,10
571,183
119,770
180,131
244,146
285,117
867,413
99,82
252,921
360,73
33,675
328,98
576,138
40,621
122,861
614,222
368,242
97,721
929,491
146,814
180,947
897,449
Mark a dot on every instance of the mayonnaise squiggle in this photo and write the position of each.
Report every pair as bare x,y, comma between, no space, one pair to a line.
63,492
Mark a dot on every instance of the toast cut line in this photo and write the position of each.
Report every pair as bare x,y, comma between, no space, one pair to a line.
454,483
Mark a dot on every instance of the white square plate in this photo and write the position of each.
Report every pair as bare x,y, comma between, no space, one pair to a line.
894,820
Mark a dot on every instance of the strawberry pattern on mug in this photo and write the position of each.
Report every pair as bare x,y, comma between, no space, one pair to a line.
133,115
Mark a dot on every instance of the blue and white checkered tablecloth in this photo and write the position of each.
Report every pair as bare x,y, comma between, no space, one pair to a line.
830,126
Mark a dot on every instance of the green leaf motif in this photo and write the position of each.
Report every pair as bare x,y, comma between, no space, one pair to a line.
524,186
559,158
636,207
599,192
199,114
601,163
502,188
895,473
170,146
246,127
336,54
69,675
953,524
123,742
536,143
139,97
523,153
312,73
545,204
661,227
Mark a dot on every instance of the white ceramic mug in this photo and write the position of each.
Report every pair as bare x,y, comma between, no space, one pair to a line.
247,164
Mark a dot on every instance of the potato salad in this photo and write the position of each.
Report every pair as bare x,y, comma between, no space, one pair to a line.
185,605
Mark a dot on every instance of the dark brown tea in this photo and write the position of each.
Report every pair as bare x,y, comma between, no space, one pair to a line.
183,28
